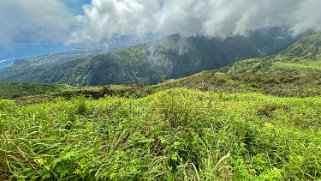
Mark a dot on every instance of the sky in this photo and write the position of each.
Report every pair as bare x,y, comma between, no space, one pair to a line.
32,27
83,21
75,6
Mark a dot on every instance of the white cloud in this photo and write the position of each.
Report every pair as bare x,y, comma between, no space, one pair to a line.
51,20
34,21
104,18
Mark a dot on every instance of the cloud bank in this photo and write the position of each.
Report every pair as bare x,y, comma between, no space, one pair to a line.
52,20
104,18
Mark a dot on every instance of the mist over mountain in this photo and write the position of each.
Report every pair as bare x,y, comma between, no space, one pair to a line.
295,71
64,25
212,18
175,56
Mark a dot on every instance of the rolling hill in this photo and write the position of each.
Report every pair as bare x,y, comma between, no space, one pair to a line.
175,56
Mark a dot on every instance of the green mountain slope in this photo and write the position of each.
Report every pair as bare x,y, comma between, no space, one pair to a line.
173,57
295,71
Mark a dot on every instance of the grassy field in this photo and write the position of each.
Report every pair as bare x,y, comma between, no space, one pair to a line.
178,134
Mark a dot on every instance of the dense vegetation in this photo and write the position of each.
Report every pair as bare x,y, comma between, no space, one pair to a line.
231,130
175,56
176,134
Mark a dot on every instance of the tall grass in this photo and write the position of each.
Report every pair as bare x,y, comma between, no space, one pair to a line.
178,134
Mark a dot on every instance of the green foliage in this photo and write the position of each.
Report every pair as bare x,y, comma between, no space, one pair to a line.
178,134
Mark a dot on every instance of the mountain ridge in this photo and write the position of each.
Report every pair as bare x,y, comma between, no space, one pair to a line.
279,74
173,57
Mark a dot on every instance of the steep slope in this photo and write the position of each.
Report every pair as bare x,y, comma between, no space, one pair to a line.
295,71
173,57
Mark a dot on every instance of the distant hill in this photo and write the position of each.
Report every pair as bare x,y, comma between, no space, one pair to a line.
173,57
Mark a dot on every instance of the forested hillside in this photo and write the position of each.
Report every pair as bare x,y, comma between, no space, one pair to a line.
175,56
